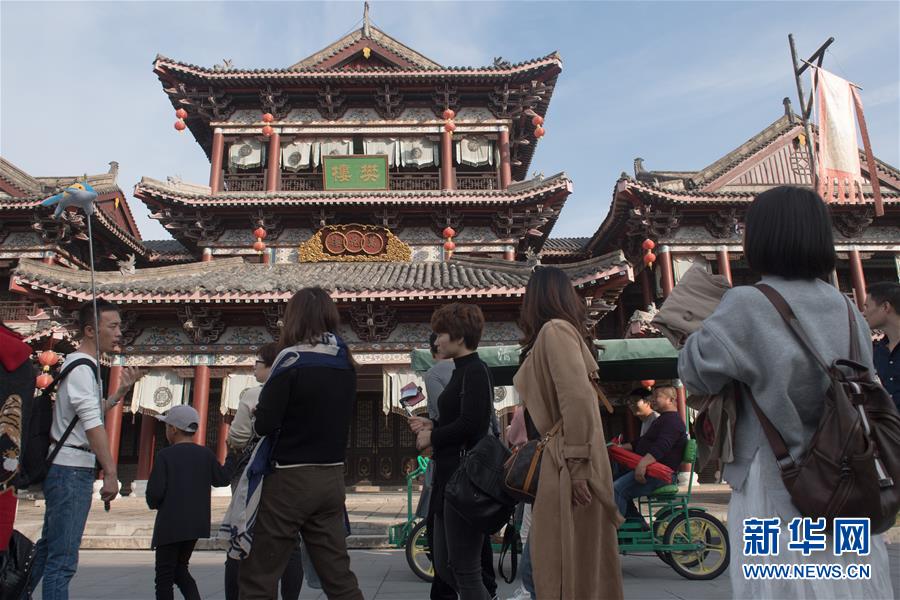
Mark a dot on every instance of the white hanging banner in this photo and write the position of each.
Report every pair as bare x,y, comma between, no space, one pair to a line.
387,146
420,152
247,153
297,155
394,378
233,386
475,151
332,147
505,399
157,392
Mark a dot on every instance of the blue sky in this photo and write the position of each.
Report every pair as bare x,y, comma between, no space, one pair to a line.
677,83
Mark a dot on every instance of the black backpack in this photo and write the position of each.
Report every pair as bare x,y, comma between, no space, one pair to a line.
37,418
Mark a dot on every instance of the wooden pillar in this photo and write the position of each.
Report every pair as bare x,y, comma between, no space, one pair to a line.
267,256
509,253
647,286
447,179
858,278
147,445
114,415
505,167
273,167
724,262
207,255
221,446
667,277
49,257
215,167
201,401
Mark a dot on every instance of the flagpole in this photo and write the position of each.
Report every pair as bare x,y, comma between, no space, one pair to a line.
806,108
96,318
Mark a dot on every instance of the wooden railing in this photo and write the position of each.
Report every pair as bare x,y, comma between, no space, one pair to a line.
16,310
415,181
480,181
301,182
244,182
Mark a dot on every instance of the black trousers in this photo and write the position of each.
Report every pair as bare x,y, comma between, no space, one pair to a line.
291,579
172,569
440,589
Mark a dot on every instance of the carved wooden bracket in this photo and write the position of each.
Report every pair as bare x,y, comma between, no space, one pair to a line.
373,322
723,224
853,224
389,219
196,226
656,223
274,315
274,101
445,96
321,218
449,218
130,328
202,323
516,101
269,221
388,101
332,103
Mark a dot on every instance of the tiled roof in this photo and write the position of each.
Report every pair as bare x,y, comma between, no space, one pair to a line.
371,35
565,246
234,280
166,247
103,183
160,190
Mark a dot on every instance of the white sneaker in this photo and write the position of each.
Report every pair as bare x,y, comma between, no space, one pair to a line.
521,594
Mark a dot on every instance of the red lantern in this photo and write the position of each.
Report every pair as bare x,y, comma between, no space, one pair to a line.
179,125
259,245
267,130
181,113
48,358
649,258
449,246
449,126
648,383
539,132
448,114
449,232
268,118
43,380
259,233
537,120
648,244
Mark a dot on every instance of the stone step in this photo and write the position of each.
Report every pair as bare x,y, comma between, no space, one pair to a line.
129,542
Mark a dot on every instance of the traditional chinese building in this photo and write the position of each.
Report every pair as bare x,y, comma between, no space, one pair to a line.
396,183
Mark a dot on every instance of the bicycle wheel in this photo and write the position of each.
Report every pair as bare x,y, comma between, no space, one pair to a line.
418,554
710,557
661,522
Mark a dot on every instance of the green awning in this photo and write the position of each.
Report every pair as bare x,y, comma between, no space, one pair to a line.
619,360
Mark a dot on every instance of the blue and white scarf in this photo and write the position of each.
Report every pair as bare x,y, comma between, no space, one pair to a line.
237,524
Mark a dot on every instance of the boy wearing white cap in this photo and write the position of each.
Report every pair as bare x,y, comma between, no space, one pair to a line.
179,489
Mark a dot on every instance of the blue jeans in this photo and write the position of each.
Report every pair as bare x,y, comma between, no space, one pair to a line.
627,489
67,491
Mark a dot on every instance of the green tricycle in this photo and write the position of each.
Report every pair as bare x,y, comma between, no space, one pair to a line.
686,537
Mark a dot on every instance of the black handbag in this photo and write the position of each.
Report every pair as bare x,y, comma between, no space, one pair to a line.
15,567
476,489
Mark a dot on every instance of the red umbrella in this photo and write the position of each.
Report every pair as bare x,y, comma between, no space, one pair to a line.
629,459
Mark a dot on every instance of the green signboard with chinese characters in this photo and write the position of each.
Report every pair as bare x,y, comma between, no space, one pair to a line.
356,172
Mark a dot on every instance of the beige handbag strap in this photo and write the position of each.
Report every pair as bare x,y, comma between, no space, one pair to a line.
600,395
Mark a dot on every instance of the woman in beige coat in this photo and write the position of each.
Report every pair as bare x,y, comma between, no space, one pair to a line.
573,543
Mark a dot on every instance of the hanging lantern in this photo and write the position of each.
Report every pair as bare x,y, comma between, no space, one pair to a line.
448,114
539,132
267,130
648,244
449,246
181,113
179,125
259,245
48,358
43,380
449,232
537,120
649,258
259,233
449,126
648,383
268,118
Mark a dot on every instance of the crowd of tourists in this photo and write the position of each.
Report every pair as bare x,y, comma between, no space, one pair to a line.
298,424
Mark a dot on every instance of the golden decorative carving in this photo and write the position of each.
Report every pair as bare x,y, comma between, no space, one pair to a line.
314,249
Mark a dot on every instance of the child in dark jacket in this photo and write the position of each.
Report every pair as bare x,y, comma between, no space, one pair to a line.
179,488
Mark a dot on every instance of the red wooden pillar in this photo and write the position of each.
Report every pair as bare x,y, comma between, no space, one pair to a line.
49,257
114,415
207,255
447,182
667,277
858,278
146,448
215,168
724,262
221,446
201,401
273,168
647,287
509,253
505,167
267,256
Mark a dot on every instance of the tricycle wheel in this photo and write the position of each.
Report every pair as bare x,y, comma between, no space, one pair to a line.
418,554
709,558
661,522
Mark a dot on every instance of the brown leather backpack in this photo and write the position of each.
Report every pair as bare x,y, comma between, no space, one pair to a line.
852,465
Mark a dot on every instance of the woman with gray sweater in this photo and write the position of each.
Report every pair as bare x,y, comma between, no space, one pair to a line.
788,241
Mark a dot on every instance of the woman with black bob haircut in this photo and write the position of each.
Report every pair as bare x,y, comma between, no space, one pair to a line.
465,408
788,242
305,405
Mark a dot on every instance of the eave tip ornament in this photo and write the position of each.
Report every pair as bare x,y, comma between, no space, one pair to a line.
79,195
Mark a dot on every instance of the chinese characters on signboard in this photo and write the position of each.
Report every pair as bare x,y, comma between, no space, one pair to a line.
369,172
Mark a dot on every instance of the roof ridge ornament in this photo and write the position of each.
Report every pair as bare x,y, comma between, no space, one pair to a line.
367,28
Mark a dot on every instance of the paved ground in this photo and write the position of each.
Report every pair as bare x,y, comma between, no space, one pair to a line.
383,575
